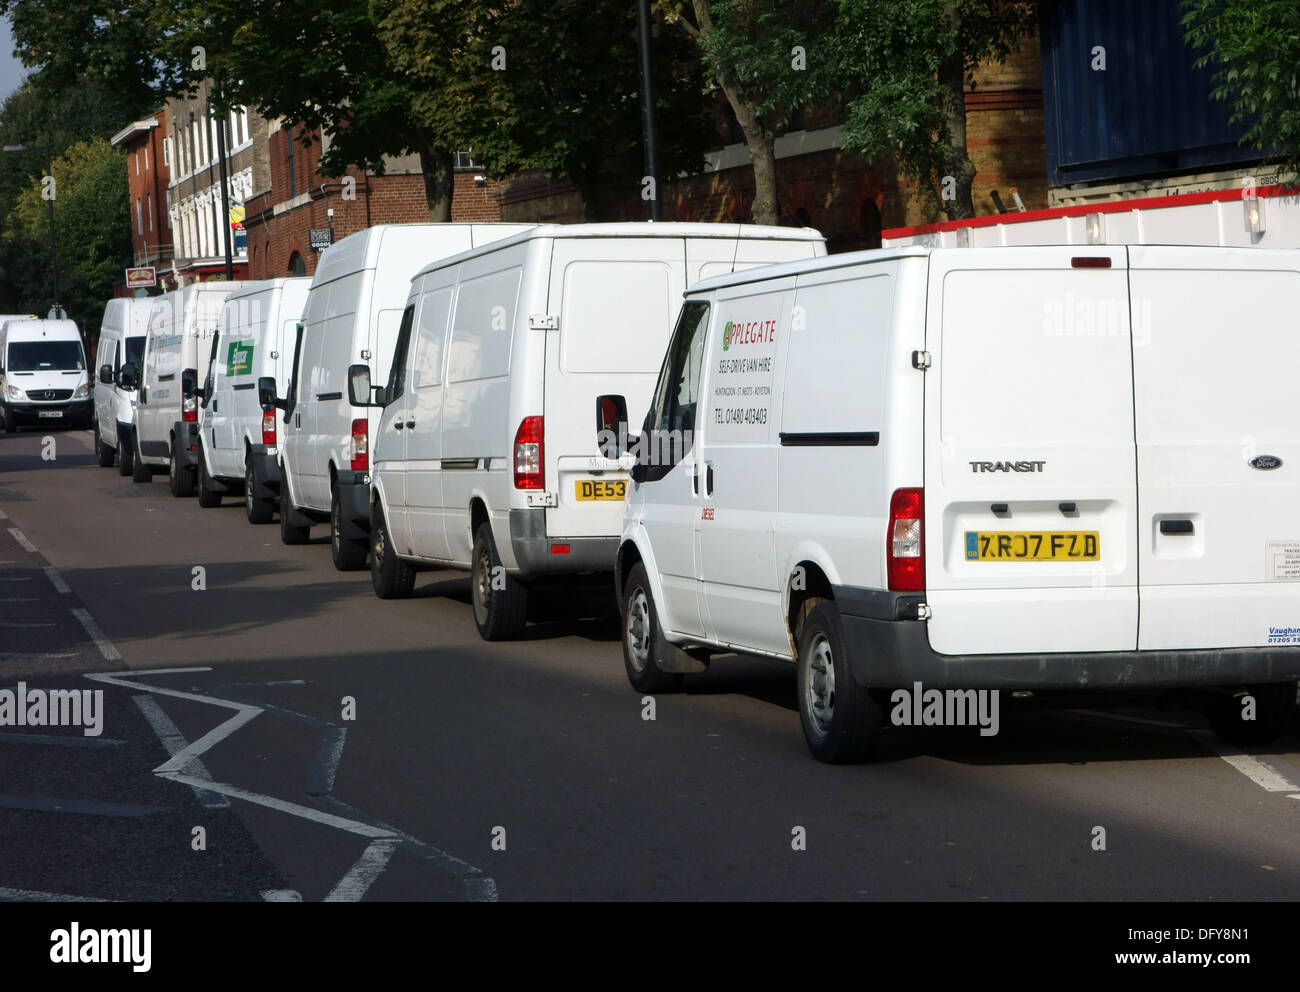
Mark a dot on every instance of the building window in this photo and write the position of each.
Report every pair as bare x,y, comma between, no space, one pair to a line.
297,267
146,158
148,203
136,156
465,160
167,152
293,179
139,218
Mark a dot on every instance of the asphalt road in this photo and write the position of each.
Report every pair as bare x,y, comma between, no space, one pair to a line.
331,745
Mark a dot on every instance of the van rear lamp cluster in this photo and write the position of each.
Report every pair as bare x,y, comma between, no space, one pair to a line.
1090,262
359,445
560,549
906,541
189,404
268,427
529,471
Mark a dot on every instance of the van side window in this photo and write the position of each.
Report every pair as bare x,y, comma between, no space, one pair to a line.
294,372
672,422
117,358
397,374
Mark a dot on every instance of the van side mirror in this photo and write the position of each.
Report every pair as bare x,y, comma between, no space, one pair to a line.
611,425
359,392
127,377
106,373
266,397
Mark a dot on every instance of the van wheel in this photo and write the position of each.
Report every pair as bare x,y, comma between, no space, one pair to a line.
180,477
841,720
289,533
258,509
391,577
103,453
125,452
643,638
500,600
207,498
1274,707
349,553
9,418
140,472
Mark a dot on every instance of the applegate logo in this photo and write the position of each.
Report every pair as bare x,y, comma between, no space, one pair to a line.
748,332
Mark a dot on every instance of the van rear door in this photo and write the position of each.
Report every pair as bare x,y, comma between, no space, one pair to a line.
1030,484
1215,352
616,299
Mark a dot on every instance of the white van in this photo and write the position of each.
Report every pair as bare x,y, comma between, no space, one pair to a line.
352,313
238,450
181,325
43,375
121,340
512,361
977,468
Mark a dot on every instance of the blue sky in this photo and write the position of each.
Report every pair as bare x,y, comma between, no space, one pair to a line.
11,70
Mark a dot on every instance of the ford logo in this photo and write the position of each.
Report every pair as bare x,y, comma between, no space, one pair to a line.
1266,463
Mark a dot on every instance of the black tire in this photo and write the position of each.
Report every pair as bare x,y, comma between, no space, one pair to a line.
181,478
10,426
140,472
499,600
103,453
207,498
290,533
258,509
1274,707
644,644
348,553
841,720
391,577
125,452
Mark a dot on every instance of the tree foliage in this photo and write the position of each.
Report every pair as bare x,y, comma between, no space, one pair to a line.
1253,50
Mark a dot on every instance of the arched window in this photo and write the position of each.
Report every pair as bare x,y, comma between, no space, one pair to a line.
297,267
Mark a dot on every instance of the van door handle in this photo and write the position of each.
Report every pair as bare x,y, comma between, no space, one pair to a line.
695,479
1177,527
410,425
397,425
297,420
708,479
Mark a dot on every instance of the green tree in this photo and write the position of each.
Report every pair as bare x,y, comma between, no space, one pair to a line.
551,85
766,57
906,65
94,237
1253,49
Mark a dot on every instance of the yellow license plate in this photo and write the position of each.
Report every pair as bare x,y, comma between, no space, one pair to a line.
589,489
1032,545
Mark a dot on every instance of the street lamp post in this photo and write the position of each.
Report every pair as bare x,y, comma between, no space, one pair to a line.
56,311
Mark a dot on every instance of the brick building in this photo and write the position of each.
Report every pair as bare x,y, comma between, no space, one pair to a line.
298,200
820,185
148,179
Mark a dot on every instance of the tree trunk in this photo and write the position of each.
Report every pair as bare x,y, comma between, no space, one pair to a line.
438,168
760,142
956,162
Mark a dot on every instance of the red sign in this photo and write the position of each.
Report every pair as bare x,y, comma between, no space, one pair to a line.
141,278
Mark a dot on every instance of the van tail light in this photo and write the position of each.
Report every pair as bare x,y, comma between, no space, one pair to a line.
905,541
268,428
359,445
189,404
529,472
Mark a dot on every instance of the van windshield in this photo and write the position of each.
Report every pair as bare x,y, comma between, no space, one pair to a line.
135,349
41,356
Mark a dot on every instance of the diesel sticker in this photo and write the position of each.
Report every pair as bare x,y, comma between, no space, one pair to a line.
1282,562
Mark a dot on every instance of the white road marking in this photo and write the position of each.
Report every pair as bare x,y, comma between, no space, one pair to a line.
97,635
174,742
352,886
27,895
2,515
281,895
36,655
270,802
57,579
19,578
1260,772
23,543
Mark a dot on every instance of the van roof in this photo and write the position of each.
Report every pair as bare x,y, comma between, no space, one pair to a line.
638,229
781,270
263,285
38,327
360,251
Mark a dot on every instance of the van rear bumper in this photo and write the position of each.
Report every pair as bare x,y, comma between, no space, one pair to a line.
888,653
533,548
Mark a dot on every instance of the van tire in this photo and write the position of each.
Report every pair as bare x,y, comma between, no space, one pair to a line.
644,644
180,478
349,553
103,453
125,452
289,533
1274,708
852,730
9,419
391,577
499,614
258,509
207,497
140,471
